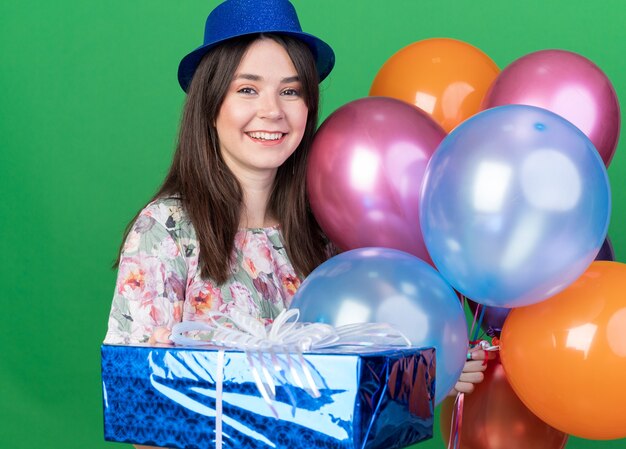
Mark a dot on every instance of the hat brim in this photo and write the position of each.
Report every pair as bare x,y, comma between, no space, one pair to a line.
322,53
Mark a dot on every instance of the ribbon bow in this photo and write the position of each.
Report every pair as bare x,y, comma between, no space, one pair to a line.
240,330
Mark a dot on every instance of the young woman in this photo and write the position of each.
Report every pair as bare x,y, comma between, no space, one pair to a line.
231,225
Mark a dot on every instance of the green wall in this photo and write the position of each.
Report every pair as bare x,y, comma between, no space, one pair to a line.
88,117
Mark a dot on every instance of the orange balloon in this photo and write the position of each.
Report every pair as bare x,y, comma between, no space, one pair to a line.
446,78
566,357
495,418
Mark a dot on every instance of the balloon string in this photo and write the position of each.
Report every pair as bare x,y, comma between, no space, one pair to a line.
478,321
461,400
476,325
456,423
471,332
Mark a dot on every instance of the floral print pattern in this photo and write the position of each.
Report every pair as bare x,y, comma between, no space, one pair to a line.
159,281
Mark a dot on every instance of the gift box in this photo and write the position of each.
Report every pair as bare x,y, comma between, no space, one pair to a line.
190,397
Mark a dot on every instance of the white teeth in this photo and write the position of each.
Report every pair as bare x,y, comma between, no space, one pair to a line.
265,136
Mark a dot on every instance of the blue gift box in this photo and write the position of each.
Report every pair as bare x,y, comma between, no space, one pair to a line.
170,397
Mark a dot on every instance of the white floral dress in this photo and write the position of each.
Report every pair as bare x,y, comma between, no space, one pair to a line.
159,281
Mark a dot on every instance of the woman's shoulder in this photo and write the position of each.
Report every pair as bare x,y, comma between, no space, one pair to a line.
162,227
168,212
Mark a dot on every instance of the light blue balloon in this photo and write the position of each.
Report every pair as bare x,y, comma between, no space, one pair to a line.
381,285
515,205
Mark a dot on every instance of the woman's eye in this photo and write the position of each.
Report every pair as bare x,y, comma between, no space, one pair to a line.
246,90
291,92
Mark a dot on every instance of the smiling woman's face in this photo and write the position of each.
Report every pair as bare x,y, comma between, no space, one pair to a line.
262,119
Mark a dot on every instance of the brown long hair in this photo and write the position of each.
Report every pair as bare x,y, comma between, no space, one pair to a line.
210,193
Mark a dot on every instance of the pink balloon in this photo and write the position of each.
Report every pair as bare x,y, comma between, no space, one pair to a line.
567,84
365,171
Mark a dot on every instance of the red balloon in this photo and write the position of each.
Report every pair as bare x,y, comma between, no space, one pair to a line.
495,418
567,84
365,171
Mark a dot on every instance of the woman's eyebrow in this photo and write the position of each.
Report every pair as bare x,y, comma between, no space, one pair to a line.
291,79
252,77
248,76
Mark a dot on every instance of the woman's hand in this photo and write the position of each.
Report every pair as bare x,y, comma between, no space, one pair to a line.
473,370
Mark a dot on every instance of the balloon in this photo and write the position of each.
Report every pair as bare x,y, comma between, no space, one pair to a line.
364,174
606,251
567,84
380,285
493,317
446,78
566,357
495,418
515,205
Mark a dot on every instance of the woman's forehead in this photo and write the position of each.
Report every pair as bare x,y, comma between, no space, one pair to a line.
266,60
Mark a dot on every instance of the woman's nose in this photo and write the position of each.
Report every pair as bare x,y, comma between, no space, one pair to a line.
270,108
